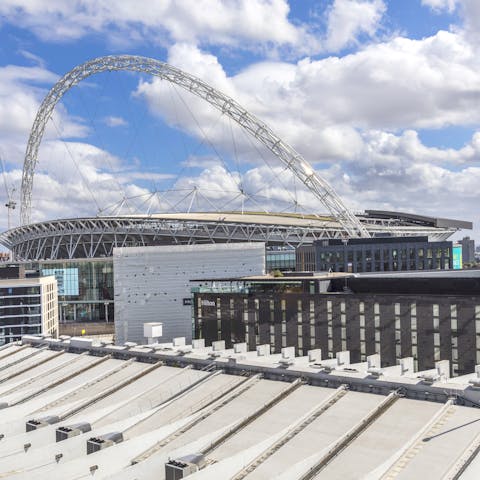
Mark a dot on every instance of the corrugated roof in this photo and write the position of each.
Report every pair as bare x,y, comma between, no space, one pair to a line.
251,416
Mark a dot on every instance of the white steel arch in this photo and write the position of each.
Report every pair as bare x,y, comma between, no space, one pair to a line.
284,152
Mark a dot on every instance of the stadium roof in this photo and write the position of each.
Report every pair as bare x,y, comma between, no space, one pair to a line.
124,412
92,237
421,219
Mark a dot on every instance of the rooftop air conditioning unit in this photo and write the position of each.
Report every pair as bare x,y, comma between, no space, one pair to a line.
95,444
184,466
35,424
62,433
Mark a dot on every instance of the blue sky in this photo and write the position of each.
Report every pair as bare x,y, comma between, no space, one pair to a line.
380,96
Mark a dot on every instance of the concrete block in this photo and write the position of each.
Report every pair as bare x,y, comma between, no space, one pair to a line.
263,350
218,346
198,343
81,342
315,355
343,358
288,352
179,342
240,348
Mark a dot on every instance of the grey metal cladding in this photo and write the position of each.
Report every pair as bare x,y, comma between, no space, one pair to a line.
150,283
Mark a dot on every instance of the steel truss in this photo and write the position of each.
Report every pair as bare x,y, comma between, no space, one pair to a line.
98,236
284,152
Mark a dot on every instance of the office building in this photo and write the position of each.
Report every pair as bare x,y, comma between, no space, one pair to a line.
28,306
430,316
383,254
468,250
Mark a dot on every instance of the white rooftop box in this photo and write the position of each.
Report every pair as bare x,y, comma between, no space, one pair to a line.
153,330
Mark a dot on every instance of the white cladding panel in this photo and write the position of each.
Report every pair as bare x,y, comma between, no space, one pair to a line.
151,283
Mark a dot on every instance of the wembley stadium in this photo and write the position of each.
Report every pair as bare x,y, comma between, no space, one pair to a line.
97,236
79,251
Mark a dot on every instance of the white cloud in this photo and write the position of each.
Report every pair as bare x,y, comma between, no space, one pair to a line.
441,5
21,92
320,106
348,19
240,23
356,117
470,12
112,121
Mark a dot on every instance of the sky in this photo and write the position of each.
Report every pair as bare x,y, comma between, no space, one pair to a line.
382,97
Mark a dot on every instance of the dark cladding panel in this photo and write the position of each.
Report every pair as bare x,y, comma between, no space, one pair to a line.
238,325
337,326
208,327
278,315
353,328
252,316
445,331
466,337
387,332
321,327
264,320
225,321
370,347
307,339
425,335
406,307
292,321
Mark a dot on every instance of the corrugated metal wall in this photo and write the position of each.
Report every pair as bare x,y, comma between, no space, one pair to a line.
150,283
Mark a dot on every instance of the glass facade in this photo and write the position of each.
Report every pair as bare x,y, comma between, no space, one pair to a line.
283,260
85,289
376,255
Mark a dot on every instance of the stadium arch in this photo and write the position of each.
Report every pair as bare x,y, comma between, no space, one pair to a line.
293,160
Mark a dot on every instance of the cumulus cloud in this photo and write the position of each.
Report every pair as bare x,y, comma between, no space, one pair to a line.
468,11
348,19
21,92
355,117
321,105
239,23
441,5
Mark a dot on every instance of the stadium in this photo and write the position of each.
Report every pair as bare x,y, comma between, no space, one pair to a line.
87,244
97,236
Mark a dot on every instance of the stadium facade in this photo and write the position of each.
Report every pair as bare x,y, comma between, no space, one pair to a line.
79,251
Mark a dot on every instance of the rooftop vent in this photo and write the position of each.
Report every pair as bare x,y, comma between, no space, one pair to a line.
62,433
35,424
95,444
184,466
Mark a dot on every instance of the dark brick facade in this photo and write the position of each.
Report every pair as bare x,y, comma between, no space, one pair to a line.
427,327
